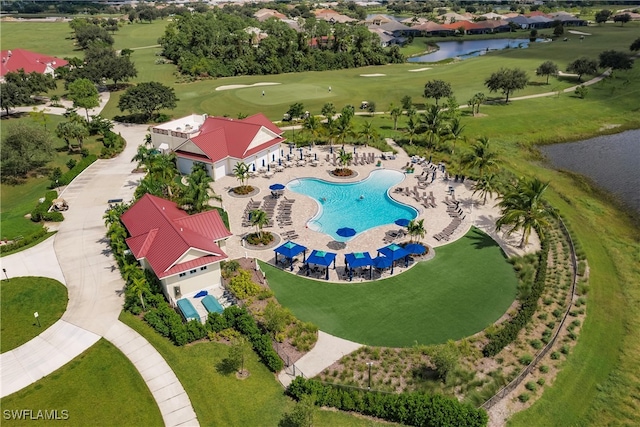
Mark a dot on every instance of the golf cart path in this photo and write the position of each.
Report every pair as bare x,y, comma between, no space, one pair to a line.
95,288
59,111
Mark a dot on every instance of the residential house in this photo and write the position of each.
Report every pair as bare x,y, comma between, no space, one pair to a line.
16,59
183,251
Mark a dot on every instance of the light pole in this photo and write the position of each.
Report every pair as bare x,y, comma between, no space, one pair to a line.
4,270
37,316
369,365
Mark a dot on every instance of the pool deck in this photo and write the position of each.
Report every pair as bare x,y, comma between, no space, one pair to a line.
304,208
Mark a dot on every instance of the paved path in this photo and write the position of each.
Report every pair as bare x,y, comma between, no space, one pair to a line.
327,351
95,289
59,111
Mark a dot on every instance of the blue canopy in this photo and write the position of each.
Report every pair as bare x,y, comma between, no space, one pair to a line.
415,248
321,258
381,262
346,232
276,187
394,252
289,250
402,222
358,259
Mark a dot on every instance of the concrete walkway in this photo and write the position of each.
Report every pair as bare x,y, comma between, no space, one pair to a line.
327,351
59,111
95,289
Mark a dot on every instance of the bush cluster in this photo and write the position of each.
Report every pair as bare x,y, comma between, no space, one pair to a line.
23,242
242,286
68,176
113,144
528,307
40,212
414,409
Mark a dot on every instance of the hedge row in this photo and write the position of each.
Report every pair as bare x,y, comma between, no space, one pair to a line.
509,331
41,211
168,323
68,176
11,247
414,409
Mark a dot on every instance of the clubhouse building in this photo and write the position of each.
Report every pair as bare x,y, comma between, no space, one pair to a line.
220,142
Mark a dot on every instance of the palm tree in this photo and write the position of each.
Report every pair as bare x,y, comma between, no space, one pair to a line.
416,229
485,186
72,130
368,132
144,156
395,113
139,286
241,172
331,129
344,157
482,156
433,120
198,192
259,219
148,185
523,208
163,169
344,128
313,126
412,129
455,131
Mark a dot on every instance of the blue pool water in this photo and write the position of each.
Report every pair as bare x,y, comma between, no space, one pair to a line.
359,205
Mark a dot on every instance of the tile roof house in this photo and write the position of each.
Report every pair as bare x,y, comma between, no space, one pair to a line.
184,251
16,59
220,142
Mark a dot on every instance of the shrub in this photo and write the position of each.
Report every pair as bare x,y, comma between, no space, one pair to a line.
229,268
195,330
544,369
276,317
23,242
68,176
525,359
555,355
524,397
71,163
565,349
537,344
541,381
216,322
242,286
531,386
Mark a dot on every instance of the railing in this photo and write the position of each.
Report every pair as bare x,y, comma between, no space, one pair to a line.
516,381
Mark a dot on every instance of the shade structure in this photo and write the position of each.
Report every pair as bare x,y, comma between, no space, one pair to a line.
415,248
381,262
346,232
321,258
289,250
402,222
394,252
276,187
357,259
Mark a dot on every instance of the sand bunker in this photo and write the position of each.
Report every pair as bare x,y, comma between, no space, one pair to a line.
580,33
419,69
372,75
229,87
563,74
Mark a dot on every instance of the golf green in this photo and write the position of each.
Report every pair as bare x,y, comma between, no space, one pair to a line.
280,93
465,288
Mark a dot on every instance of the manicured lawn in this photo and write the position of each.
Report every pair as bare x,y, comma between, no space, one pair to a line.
20,298
98,388
221,399
465,288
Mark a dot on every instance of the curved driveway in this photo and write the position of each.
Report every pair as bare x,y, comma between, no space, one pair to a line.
95,288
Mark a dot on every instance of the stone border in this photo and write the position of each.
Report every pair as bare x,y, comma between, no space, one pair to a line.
256,191
276,241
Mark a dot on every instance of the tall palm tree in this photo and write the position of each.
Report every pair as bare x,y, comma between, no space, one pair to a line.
482,156
416,229
241,172
344,129
313,126
259,219
331,129
144,156
148,185
433,120
163,169
485,186
395,113
139,286
344,157
411,129
368,132
198,192
523,208
455,129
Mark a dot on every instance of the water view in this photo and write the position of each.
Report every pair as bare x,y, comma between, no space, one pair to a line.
471,48
611,161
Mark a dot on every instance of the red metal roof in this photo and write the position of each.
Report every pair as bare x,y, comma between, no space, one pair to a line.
162,233
15,59
222,137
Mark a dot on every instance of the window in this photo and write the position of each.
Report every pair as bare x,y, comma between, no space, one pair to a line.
192,271
182,274
203,268
176,291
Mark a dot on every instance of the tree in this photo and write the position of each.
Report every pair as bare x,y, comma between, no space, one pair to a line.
433,121
276,318
198,192
12,95
547,68
241,172
581,91
296,110
416,229
455,131
445,359
603,16
371,108
523,208
482,156
622,19
237,354
507,80
437,89
313,126
344,158
163,170
84,94
120,69
139,286
635,46
259,219
72,130
24,147
485,186
328,110
301,415
406,102
343,128
616,60
395,113
32,83
89,34
144,156
368,132
412,129
583,66
558,29
147,98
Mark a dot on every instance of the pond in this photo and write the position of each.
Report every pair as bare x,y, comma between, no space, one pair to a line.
611,161
470,48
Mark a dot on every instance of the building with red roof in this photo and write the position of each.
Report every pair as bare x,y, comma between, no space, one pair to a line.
184,251
15,59
220,142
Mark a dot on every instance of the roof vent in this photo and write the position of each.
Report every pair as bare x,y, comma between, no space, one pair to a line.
181,229
9,53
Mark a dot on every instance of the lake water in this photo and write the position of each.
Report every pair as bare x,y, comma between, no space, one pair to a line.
611,161
471,48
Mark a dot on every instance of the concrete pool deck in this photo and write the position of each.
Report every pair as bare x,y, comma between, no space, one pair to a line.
304,208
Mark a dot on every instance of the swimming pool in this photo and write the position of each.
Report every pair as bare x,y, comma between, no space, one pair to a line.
359,205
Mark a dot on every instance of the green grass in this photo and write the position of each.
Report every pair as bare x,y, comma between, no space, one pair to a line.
222,399
466,287
20,298
100,387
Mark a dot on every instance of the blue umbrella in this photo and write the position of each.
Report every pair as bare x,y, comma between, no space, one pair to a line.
415,248
276,187
382,262
402,222
201,294
346,232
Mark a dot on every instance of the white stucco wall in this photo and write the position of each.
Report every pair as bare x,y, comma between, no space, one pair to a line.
192,282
